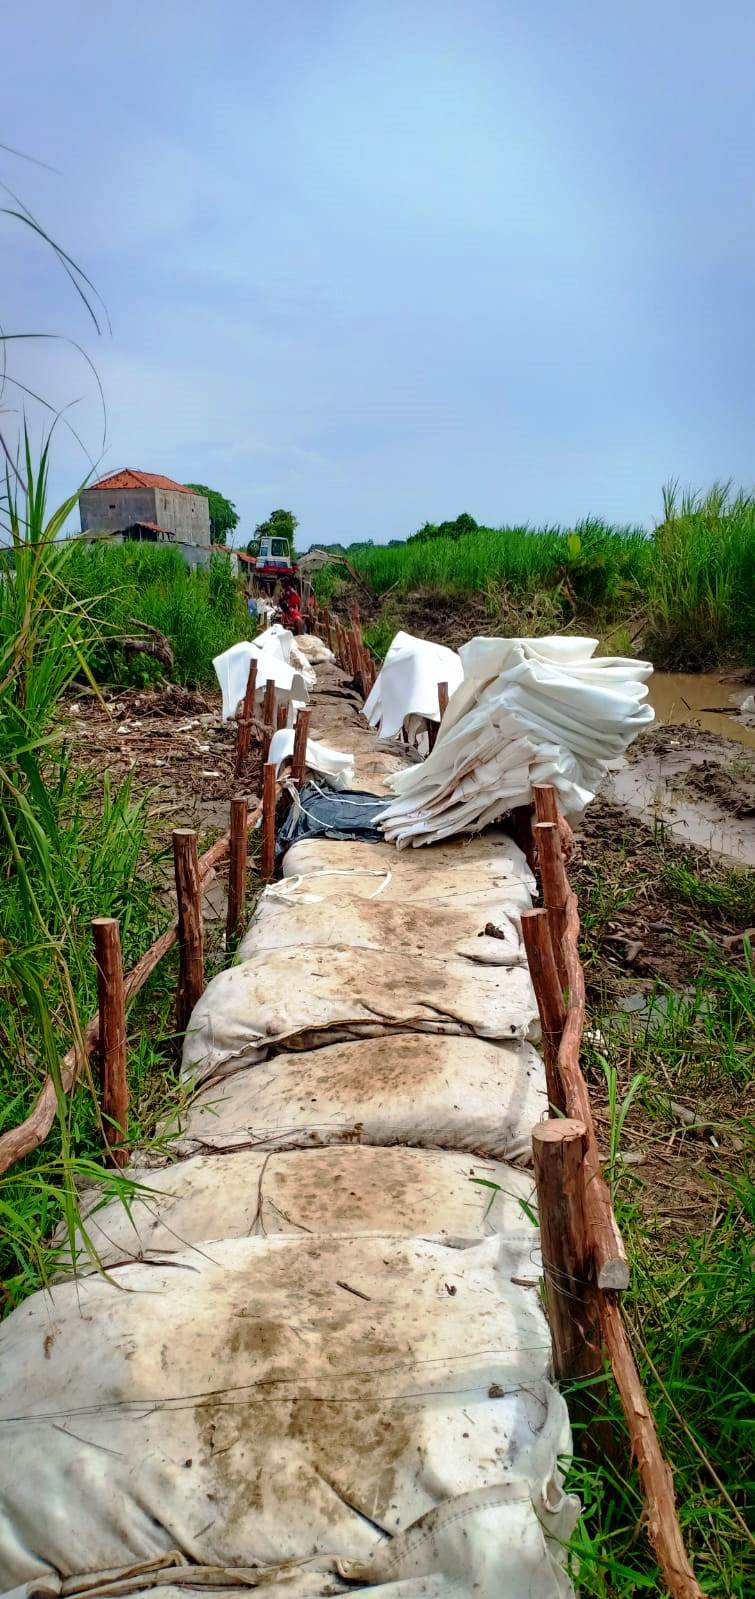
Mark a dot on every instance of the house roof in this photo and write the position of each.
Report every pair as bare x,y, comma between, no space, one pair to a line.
129,479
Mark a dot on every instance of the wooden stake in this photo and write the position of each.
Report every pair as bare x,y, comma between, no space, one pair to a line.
268,718
244,729
269,801
545,802
301,733
112,1038
558,1147
190,930
433,728
236,870
550,1003
327,630
555,888
281,719
18,1141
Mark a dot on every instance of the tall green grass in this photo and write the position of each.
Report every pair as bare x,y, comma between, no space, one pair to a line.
69,848
201,612
688,589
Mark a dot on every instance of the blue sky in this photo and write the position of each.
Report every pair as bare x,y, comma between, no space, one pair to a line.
379,262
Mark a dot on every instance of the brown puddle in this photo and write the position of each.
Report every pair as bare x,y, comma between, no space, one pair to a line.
681,699
692,771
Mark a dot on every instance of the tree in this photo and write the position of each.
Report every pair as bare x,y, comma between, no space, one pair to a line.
279,525
223,514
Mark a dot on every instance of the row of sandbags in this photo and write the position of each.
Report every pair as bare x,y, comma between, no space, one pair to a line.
524,711
318,1357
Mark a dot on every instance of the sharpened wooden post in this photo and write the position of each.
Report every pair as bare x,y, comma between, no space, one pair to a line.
327,631
537,942
555,888
244,730
190,930
236,870
558,1147
269,802
111,1004
301,733
281,719
268,718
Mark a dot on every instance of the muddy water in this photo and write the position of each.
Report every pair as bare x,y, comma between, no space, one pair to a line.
653,784
703,698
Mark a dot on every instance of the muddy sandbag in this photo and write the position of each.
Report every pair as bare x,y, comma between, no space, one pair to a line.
472,873
283,1399
422,1090
349,1191
301,998
281,919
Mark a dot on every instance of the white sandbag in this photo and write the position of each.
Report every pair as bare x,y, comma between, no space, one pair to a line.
407,683
422,1090
295,1400
315,649
382,924
489,873
301,998
334,766
528,711
343,1192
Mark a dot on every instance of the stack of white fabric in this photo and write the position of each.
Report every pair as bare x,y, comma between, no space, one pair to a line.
406,688
528,711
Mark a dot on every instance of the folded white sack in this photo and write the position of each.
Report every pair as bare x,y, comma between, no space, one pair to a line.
528,711
279,1399
276,658
407,683
335,767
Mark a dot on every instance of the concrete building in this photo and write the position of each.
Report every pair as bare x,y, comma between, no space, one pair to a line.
144,505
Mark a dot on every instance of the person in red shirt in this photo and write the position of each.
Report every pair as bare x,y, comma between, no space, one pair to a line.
291,608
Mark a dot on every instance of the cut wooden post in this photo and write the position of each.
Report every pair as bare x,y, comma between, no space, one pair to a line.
269,801
301,732
236,870
190,930
555,886
281,719
112,1040
545,802
442,699
550,1003
244,729
558,1147
327,631
268,718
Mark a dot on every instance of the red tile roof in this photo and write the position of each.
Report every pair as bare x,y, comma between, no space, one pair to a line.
128,479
